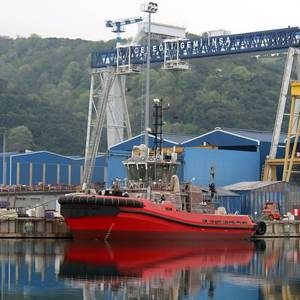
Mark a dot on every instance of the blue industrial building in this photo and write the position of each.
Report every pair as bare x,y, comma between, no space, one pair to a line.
254,194
236,155
229,166
31,168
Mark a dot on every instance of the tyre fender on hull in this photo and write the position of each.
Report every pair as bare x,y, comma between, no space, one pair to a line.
100,201
261,228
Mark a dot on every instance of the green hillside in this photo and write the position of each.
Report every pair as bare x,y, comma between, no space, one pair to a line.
44,86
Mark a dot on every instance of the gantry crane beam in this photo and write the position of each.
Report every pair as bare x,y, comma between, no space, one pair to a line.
268,40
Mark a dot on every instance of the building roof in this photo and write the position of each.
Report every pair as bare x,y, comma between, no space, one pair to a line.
249,185
178,138
261,135
221,191
232,137
139,139
32,153
221,137
8,154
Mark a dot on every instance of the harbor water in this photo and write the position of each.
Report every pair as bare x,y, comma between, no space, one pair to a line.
66,269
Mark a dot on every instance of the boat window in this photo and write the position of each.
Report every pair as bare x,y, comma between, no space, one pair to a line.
165,173
142,172
159,172
133,172
173,169
151,172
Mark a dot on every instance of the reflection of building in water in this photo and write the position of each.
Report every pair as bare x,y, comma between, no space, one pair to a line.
29,264
286,291
276,270
180,285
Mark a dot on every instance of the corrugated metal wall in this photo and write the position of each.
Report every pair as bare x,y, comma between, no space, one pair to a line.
230,166
285,194
231,203
7,166
254,201
115,167
50,168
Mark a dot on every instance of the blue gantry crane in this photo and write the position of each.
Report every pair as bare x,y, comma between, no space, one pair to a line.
105,64
268,40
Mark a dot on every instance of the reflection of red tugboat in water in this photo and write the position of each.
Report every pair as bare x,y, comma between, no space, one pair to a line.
146,260
165,268
153,205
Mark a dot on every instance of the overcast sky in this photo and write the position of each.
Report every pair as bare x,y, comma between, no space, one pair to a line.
86,18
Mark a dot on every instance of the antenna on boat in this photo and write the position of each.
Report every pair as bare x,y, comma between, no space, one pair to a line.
149,8
212,185
158,124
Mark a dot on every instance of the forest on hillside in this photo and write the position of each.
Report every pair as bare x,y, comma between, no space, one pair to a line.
44,92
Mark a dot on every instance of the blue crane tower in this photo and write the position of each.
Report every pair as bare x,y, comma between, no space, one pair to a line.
111,87
118,26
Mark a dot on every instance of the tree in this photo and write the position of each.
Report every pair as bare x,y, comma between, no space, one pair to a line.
44,85
72,73
19,139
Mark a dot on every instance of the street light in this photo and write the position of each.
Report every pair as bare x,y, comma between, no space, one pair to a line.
3,130
149,8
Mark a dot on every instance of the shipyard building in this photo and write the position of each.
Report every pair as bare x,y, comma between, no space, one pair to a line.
236,155
44,167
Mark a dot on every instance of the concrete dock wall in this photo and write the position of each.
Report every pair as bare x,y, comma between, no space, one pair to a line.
57,228
33,228
281,229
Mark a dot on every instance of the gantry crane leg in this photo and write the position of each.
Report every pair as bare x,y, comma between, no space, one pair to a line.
293,57
101,83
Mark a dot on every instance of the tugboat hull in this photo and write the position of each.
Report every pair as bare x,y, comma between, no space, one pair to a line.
116,218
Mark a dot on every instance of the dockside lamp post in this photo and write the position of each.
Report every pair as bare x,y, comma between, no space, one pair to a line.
3,130
149,8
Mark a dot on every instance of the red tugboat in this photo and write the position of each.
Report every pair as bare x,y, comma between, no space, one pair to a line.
116,218
153,205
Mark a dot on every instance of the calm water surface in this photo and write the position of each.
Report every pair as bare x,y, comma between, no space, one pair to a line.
56,269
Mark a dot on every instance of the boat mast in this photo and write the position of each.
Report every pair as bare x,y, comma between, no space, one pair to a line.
149,8
158,125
